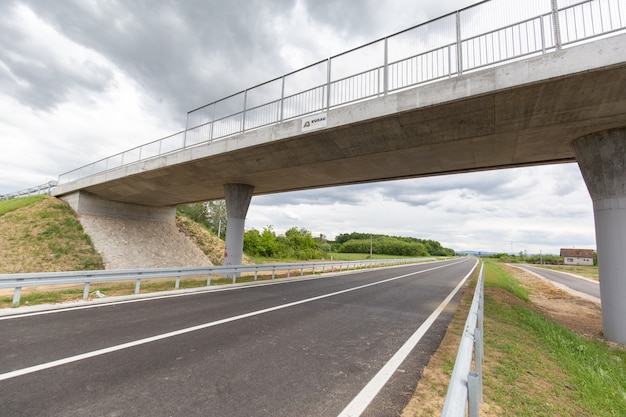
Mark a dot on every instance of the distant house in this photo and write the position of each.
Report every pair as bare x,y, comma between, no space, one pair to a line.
577,256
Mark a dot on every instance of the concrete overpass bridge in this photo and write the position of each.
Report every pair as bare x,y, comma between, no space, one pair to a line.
477,89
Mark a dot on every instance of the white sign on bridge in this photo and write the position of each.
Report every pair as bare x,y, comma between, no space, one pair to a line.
317,121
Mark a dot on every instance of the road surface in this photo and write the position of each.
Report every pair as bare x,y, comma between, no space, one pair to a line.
305,347
579,286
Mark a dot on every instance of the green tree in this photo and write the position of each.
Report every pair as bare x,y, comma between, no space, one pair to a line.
196,212
216,217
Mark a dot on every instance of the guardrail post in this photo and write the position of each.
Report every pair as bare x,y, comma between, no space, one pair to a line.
302,271
273,272
473,382
86,291
17,292
479,358
177,285
208,279
137,285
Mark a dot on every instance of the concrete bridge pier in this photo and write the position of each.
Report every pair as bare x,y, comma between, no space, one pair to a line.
237,198
602,160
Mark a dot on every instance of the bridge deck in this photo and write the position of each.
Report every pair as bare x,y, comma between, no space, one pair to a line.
526,112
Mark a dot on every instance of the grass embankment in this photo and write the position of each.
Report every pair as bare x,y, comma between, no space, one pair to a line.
43,234
533,366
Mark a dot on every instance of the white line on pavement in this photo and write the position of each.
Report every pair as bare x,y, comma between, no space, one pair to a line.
367,394
87,355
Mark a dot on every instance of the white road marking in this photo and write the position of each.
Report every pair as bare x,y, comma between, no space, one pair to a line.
367,394
138,298
99,352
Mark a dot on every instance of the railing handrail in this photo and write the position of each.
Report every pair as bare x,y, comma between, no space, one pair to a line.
21,280
465,389
457,63
36,190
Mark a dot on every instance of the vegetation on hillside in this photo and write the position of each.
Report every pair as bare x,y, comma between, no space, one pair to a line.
43,234
211,245
389,245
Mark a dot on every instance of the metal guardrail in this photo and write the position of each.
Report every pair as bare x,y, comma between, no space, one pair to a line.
465,391
486,34
39,189
19,281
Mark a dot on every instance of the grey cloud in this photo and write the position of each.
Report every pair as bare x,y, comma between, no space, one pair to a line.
185,53
35,75
352,195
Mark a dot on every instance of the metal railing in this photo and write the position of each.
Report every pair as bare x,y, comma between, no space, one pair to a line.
465,391
486,34
86,278
39,189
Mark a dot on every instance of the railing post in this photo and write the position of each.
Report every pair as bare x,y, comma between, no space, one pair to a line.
137,285
328,77
212,124
386,69
177,285
556,24
86,291
282,100
243,118
186,128
459,44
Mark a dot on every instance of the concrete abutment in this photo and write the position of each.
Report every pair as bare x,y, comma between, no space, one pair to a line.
601,157
131,236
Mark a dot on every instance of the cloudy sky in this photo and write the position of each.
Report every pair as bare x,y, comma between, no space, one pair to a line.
82,80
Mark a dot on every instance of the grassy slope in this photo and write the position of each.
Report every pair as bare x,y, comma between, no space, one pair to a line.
43,234
211,245
533,365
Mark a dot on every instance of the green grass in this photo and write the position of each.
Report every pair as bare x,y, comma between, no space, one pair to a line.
7,206
496,277
536,367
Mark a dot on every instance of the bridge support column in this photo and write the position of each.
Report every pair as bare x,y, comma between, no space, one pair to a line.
237,198
602,160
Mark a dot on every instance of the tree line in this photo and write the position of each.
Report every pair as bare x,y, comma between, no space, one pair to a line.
299,243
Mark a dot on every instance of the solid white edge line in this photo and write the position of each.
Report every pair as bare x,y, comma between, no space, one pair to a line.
76,358
367,394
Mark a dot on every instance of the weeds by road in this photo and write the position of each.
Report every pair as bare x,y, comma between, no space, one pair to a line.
539,360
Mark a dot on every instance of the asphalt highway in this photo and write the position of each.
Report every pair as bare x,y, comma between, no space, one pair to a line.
306,347
579,286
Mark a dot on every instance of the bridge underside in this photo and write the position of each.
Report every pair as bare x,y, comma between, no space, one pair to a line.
524,113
